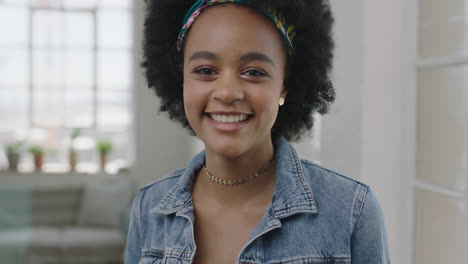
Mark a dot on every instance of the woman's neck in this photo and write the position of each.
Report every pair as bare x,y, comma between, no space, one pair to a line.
233,168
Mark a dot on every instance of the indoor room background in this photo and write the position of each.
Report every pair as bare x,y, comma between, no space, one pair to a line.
71,89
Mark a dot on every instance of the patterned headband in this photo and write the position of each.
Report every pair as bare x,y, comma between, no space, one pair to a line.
287,31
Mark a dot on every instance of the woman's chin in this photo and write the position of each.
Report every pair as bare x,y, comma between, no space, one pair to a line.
228,151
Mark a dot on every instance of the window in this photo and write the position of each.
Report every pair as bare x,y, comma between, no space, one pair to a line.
442,135
66,64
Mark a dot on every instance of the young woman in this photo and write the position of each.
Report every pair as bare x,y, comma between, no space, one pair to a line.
246,76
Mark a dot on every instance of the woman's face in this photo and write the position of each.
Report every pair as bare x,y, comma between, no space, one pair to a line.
234,70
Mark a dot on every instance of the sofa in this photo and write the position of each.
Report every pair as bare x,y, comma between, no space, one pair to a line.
63,219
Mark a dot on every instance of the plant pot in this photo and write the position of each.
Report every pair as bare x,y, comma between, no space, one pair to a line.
38,162
72,159
13,161
102,161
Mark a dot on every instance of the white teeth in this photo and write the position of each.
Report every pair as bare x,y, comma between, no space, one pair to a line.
229,118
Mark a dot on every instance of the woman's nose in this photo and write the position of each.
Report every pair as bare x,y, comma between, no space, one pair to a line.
228,88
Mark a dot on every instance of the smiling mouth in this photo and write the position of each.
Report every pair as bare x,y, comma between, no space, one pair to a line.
229,119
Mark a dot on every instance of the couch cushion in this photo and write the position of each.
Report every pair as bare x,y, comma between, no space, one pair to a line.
93,245
31,245
15,207
61,246
104,202
46,241
14,245
55,206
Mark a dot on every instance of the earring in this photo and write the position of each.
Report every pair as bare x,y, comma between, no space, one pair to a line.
281,101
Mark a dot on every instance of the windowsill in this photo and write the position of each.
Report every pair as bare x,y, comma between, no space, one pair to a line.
9,179
83,168
46,173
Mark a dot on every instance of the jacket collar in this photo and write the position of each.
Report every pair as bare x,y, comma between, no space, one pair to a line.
292,192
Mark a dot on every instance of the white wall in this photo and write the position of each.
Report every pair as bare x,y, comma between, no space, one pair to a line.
389,93
160,145
342,126
369,134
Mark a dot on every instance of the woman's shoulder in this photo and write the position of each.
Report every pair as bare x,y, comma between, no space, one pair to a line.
318,174
330,187
152,193
164,182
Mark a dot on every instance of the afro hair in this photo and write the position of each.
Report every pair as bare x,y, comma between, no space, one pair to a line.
308,71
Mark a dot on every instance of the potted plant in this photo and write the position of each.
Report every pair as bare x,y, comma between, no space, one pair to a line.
38,153
73,155
104,147
13,151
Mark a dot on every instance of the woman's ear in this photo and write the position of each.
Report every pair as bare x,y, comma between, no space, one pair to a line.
180,66
284,92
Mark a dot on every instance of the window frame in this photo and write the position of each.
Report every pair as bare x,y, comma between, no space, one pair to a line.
95,50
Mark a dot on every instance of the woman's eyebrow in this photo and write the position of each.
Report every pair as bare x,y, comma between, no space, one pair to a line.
203,55
256,56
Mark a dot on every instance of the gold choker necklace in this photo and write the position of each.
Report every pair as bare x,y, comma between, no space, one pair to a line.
242,180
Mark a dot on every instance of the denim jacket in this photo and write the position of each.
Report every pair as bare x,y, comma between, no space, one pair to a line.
315,216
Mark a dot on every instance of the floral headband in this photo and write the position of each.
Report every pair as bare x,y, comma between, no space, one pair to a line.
287,31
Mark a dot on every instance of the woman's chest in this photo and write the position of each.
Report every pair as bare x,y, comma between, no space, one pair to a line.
296,240
220,237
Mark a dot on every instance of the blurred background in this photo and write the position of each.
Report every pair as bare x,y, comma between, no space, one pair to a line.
80,131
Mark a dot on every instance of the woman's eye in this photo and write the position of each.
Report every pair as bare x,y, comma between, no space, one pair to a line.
254,73
205,71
